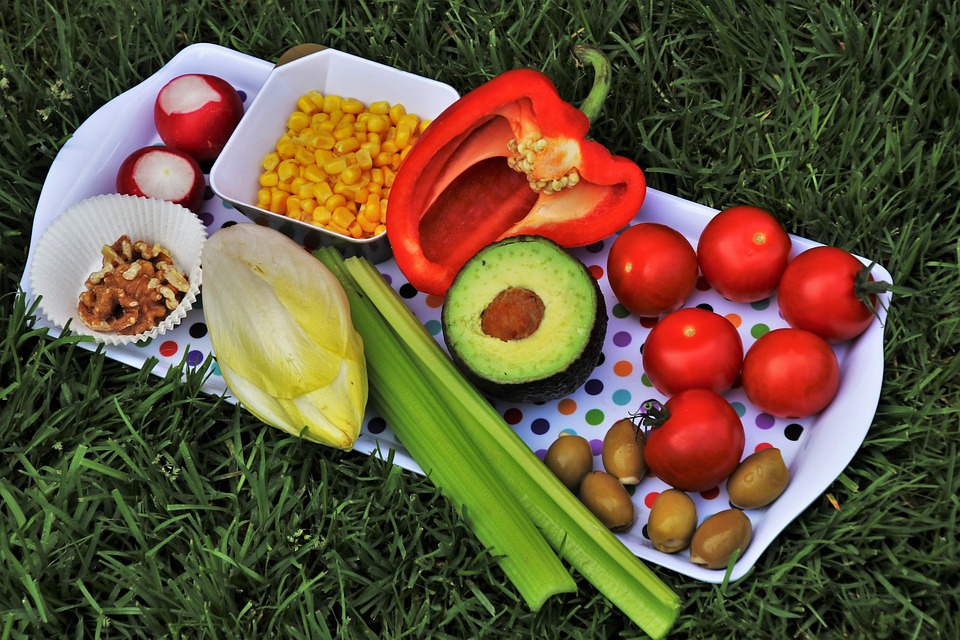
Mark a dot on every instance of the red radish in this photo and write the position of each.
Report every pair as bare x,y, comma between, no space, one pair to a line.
197,113
163,173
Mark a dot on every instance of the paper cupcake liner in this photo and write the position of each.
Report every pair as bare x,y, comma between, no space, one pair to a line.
69,251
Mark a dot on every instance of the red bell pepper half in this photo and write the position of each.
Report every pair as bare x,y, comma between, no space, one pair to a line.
506,159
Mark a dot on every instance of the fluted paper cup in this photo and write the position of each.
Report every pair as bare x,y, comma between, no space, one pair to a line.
69,250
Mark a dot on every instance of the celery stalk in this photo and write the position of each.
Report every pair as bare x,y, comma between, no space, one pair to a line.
425,425
569,527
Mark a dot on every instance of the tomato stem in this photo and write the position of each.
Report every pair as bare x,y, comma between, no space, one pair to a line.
592,104
652,413
864,287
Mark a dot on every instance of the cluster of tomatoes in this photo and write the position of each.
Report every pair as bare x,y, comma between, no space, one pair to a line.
694,355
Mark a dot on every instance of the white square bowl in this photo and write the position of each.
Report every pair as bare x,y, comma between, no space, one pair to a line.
235,176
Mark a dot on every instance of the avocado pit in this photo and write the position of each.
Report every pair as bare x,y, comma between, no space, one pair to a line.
513,315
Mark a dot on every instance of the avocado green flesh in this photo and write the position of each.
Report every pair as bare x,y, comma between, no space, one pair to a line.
558,356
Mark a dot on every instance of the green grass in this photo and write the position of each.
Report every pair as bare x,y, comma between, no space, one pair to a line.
134,505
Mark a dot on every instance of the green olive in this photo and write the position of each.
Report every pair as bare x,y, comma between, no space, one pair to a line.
759,479
622,453
607,499
719,537
570,457
673,519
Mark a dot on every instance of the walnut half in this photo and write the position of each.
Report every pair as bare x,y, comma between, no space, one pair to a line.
136,288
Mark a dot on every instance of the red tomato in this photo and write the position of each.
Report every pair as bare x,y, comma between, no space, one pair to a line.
700,443
692,348
822,290
652,269
742,252
790,373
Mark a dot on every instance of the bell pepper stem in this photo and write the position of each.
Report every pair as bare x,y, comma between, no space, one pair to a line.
589,54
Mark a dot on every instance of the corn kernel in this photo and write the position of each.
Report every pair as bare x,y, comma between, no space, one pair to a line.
288,170
381,228
371,208
263,198
278,202
388,176
349,192
314,173
367,225
331,103
323,156
346,145
293,204
306,105
325,140
397,111
305,190
342,132
286,149
371,148
317,98
343,217
308,205
298,121
321,215
270,161
296,184
303,156
404,133
350,175
411,120
355,229
269,179
423,125
351,105
322,191
378,124
380,107
334,201
335,166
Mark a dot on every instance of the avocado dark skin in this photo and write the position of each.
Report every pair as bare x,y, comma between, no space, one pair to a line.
558,383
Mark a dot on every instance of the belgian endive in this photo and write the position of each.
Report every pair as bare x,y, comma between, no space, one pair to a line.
282,333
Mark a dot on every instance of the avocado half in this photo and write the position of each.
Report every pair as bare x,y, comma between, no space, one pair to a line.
524,320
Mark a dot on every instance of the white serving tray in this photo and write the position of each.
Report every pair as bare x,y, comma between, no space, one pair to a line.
816,449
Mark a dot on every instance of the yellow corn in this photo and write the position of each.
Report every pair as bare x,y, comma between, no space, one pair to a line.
288,170
298,121
263,198
335,163
270,161
270,179
306,105
397,111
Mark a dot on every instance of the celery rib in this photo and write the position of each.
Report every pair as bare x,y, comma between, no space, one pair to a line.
563,520
427,428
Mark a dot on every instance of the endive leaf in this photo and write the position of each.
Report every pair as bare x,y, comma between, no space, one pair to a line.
282,333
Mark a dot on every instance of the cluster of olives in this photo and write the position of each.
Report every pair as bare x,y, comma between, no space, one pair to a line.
672,526
604,493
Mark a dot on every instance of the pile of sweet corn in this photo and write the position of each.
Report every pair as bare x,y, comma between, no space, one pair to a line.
335,164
